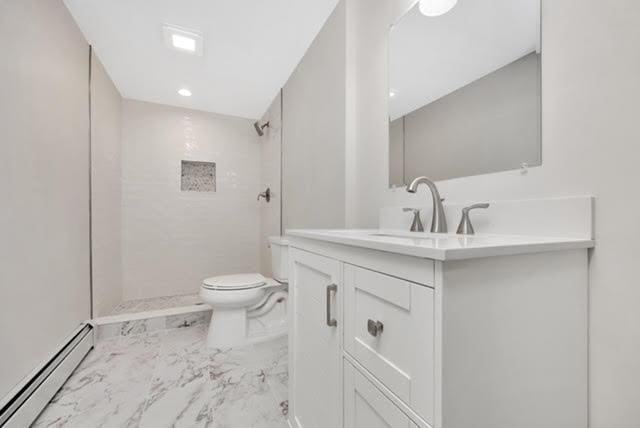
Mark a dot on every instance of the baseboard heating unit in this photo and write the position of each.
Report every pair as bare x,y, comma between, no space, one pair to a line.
23,405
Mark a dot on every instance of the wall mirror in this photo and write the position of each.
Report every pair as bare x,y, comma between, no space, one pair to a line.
464,89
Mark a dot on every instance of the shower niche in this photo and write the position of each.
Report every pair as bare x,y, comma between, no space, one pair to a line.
197,176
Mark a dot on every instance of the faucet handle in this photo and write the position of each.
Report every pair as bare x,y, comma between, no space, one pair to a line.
475,206
465,227
416,226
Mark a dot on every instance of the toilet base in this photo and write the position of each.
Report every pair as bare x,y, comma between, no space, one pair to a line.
229,332
232,327
228,328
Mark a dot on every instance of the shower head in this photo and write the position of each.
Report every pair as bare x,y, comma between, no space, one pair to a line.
260,129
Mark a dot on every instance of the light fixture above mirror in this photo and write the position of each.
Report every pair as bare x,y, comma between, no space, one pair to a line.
436,7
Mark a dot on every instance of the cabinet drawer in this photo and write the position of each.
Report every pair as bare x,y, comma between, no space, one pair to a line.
366,407
389,329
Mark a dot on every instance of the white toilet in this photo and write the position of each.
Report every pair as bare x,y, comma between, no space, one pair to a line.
245,300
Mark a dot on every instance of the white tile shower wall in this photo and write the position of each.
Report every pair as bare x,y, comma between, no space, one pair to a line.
270,145
172,239
106,115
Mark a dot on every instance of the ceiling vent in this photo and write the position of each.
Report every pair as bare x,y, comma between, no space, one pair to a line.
183,39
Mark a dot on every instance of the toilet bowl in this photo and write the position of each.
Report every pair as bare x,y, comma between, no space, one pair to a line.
238,300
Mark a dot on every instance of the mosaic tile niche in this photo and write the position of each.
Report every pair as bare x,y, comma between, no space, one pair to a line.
198,176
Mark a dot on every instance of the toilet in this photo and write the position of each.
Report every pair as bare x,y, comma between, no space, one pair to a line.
248,307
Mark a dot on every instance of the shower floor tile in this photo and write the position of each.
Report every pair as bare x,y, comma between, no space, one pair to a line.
156,303
170,379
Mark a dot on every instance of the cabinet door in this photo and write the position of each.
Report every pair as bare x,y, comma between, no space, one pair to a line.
366,407
315,286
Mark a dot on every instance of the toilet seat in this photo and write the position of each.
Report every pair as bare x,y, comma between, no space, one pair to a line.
245,281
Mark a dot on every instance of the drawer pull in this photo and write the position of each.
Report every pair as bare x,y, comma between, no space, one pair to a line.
331,322
374,327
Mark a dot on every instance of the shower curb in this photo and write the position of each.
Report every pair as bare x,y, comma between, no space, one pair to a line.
149,321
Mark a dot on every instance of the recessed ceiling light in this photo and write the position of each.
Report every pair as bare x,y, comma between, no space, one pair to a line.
183,42
185,92
393,93
183,39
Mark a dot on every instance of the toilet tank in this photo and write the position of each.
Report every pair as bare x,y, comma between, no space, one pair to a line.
279,258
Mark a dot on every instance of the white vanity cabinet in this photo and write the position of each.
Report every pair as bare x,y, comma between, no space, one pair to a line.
488,342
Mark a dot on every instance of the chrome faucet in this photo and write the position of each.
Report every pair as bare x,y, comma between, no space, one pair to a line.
465,227
416,226
438,221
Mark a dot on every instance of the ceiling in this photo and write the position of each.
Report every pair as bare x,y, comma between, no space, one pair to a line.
432,57
250,48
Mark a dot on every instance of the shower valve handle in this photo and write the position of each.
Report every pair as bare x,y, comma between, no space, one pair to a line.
266,195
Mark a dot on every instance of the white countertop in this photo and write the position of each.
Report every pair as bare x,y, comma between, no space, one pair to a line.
438,246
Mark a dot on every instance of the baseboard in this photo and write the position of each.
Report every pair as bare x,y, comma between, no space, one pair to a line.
26,402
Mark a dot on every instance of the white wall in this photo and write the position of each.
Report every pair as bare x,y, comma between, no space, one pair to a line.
172,239
314,131
106,113
44,183
270,167
591,88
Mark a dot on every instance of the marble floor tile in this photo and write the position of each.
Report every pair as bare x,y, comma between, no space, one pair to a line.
178,394
278,378
126,307
109,388
244,399
275,352
170,379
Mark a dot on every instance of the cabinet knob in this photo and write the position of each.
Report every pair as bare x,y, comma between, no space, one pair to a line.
374,327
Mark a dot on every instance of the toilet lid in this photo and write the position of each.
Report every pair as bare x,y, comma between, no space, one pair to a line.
242,281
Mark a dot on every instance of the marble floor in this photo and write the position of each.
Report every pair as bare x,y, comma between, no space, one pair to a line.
156,303
170,379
